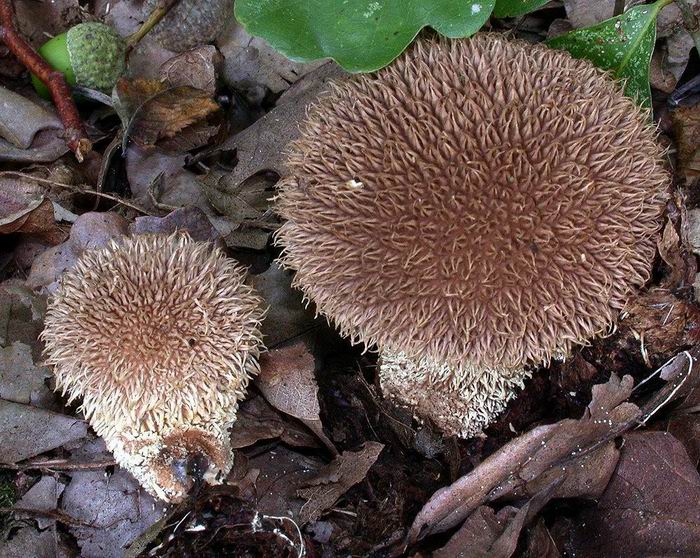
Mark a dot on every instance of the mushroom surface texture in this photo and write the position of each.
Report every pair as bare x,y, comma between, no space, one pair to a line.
159,336
482,203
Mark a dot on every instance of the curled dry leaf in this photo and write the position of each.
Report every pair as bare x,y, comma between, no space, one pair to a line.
195,68
335,479
486,533
529,456
287,381
25,209
150,111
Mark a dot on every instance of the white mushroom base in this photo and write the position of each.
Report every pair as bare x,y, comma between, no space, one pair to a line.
461,400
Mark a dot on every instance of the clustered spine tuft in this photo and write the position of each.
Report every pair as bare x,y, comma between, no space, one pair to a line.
481,203
159,336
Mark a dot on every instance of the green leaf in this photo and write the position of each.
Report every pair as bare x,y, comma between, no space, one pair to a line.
512,8
622,44
361,35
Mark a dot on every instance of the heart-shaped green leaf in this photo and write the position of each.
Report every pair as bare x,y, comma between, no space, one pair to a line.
361,35
512,8
622,44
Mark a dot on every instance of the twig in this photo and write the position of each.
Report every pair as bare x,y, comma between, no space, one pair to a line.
77,189
75,134
60,465
152,20
691,22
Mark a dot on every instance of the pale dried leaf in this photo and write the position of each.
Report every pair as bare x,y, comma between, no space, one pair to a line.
336,479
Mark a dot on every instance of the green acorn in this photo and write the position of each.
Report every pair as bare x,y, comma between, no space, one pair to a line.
90,54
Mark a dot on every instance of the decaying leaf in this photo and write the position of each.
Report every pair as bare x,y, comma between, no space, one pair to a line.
486,533
649,508
195,68
261,146
24,208
287,381
114,509
287,316
21,380
29,431
334,480
686,126
151,111
527,457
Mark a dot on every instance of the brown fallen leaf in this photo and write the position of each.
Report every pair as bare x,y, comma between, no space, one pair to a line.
151,111
261,146
25,209
686,127
486,533
527,457
650,507
287,381
335,479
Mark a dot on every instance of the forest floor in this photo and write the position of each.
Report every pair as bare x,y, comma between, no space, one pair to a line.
598,456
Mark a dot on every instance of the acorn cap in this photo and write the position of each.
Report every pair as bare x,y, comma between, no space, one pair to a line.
482,200
97,55
159,336
191,23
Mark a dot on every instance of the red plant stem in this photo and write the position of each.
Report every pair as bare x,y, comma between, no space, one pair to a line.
75,134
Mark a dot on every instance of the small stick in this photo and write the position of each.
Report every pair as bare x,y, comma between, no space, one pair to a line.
152,20
75,134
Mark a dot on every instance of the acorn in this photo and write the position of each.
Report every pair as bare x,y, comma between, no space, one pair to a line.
90,54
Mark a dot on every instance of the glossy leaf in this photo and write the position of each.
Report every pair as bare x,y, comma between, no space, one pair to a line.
622,44
512,8
361,35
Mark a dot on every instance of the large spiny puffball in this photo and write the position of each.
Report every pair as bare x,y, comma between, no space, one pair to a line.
479,205
158,336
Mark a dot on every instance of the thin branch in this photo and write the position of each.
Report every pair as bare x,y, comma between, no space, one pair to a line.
152,20
75,134
77,190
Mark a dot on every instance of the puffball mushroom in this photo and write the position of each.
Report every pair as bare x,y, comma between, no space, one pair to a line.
479,206
159,336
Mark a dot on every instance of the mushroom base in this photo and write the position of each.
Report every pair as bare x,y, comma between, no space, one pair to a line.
459,400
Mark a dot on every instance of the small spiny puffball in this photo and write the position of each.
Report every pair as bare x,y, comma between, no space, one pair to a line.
480,203
158,336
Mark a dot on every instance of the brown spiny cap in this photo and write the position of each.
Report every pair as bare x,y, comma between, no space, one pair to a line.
159,336
481,201
190,23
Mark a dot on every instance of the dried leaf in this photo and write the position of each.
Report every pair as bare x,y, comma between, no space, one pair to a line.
29,431
336,479
650,507
115,508
20,380
152,111
287,381
686,127
195,68
21,119
261,146
25,209
43,496
287,316
529,456
495,535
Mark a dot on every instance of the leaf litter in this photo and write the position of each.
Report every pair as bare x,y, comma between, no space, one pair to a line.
323,466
